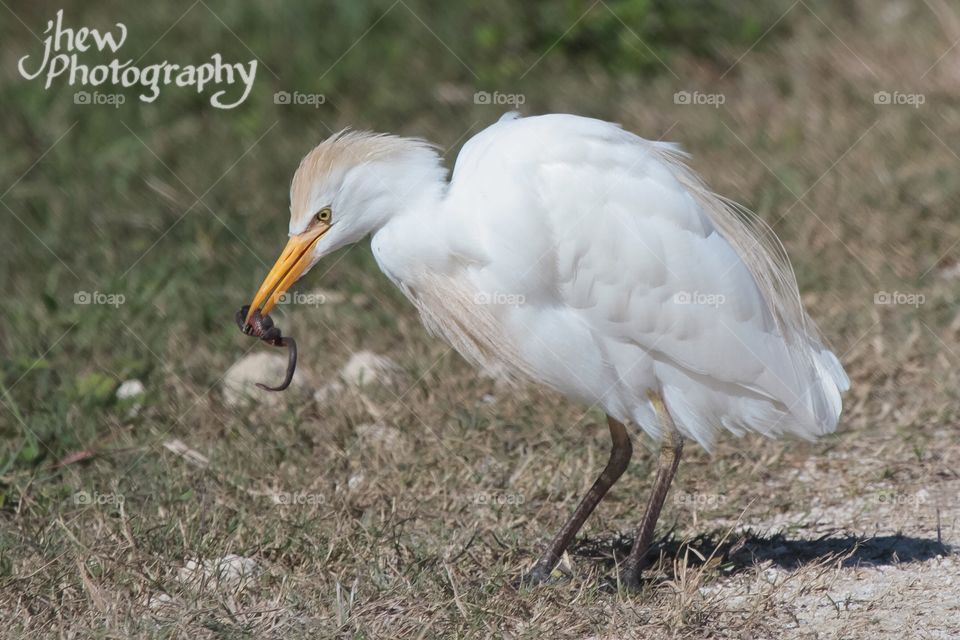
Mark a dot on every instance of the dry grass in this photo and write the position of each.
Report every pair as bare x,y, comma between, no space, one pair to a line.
418,532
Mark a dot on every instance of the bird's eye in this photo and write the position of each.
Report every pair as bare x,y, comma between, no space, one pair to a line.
324,215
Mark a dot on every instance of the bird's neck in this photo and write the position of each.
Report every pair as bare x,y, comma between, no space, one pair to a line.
413,238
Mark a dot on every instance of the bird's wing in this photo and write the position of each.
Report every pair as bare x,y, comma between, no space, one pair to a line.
615,232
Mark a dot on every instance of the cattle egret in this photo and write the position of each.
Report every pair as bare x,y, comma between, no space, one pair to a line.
569,252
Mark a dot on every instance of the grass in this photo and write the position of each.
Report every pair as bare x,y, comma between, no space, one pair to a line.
418,532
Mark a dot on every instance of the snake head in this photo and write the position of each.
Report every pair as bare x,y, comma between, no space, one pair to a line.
241,318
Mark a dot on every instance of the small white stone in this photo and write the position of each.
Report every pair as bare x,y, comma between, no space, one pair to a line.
355,481
131,393
232,568
366,367
951,272
159,601
228,570
130,389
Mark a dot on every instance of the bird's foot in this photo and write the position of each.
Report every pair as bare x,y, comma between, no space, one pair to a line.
622,584
630,581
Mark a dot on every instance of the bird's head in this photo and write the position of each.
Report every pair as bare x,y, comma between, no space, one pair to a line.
346,188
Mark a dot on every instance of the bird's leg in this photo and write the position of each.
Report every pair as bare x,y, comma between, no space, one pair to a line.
669,460
620,453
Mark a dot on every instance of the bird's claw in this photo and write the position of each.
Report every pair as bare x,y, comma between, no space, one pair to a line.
631,582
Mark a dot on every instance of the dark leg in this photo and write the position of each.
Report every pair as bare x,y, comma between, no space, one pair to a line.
620,454
670,450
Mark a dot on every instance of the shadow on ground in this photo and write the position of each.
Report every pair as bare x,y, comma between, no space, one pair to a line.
744,550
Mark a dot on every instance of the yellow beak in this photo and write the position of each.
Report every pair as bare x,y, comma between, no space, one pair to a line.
287,269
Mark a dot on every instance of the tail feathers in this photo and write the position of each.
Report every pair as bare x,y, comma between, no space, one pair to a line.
720,406
833,381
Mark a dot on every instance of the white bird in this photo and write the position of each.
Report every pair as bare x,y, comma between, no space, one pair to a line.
569,252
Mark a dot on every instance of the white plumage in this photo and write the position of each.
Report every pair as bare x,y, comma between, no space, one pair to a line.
600,271
569,252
